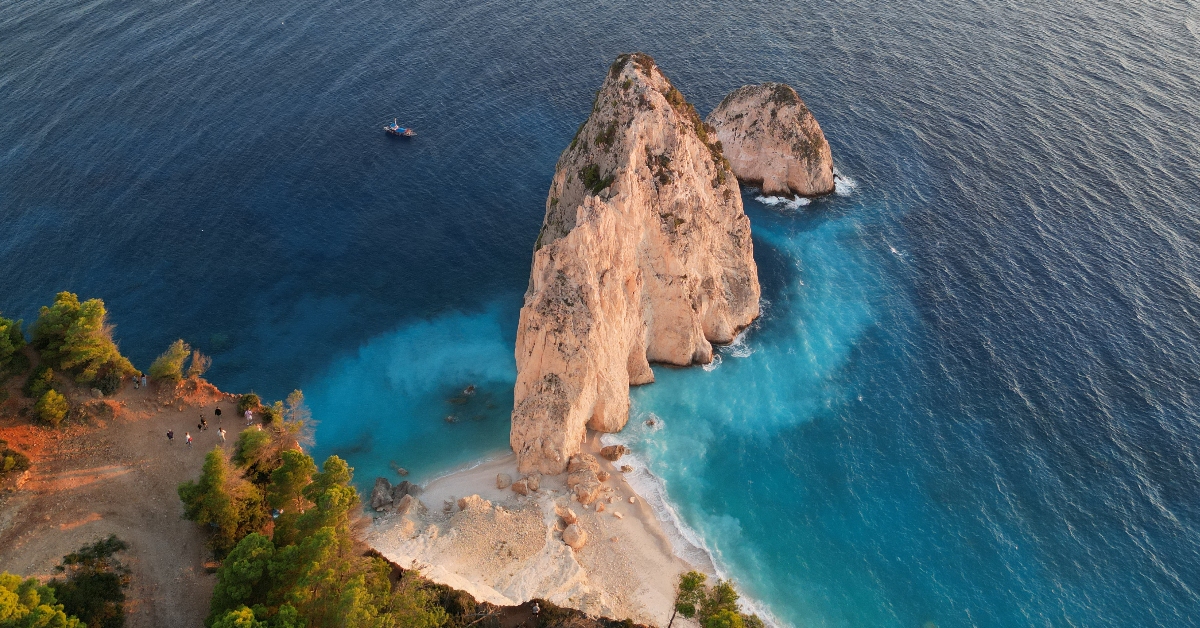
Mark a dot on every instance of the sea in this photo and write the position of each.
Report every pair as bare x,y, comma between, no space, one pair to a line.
972,399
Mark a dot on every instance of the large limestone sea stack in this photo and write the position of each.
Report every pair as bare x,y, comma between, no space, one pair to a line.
772,139
644,256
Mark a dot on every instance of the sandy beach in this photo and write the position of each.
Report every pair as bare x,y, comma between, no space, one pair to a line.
507,548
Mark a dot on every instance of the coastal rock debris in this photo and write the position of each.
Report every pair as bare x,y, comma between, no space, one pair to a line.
644,256
583,479
503,480
613,453
575,536
771,139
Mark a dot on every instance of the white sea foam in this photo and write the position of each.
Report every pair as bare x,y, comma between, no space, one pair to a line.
783,201
686,542
843,185
740,347
715,364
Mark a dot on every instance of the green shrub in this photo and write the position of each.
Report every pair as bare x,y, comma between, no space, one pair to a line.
11,342
253,448
272,413
312,573
94,587
29,603
231,507
77,338
169,365
38,382
52,408
591,179
11,459
249,401
109,382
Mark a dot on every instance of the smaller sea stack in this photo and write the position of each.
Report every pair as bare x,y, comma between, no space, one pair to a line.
771,139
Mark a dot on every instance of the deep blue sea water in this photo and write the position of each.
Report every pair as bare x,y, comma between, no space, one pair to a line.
971,399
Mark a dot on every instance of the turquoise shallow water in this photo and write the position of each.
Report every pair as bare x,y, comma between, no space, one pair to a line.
971,399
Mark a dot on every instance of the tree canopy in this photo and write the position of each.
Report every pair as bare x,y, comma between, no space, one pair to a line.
303,566
713,607
77,338
12,340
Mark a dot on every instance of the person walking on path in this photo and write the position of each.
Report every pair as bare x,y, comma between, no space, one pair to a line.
189,438
249,417
170,436
135,381
143,380
221,431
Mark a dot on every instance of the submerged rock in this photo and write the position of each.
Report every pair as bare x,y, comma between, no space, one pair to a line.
772,139
644,256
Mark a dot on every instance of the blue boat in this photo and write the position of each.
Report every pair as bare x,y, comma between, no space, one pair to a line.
395,129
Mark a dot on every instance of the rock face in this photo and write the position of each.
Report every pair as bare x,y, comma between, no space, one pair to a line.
772,139
381,494
644,256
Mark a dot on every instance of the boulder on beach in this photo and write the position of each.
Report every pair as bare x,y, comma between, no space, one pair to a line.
503,480
568,515
575,536
405,488
405,504
473,502
580,462
613,453
521,487
583,478
381,494
772,139
533,481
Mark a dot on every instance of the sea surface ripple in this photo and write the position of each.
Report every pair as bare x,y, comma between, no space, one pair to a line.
970,401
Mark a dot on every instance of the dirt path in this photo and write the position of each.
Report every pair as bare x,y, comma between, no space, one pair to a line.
118,476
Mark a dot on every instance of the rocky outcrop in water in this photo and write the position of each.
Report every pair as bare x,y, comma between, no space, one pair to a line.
771,139
644,256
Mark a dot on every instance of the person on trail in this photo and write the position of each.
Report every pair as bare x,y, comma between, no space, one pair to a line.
135,381
189,438
170,436
143,380
249,417
203,423
217,412
536,609
221,431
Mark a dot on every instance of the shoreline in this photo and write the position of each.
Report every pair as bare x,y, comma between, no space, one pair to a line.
505,548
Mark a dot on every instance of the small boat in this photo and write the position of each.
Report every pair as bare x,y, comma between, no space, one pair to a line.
395,129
